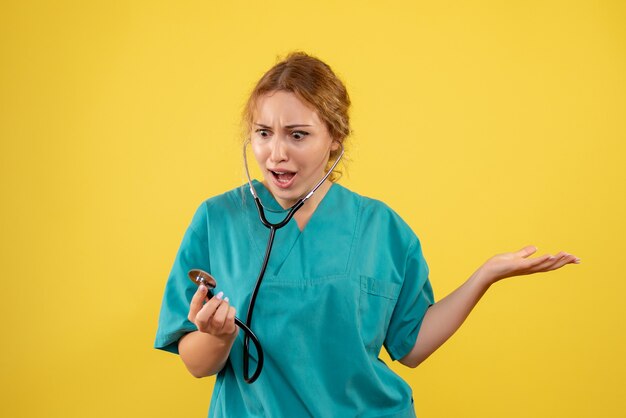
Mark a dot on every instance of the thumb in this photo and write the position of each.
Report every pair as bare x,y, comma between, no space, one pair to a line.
526,251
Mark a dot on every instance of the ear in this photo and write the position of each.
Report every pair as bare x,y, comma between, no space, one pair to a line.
334,146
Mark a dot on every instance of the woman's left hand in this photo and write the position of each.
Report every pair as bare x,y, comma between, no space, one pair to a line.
517,263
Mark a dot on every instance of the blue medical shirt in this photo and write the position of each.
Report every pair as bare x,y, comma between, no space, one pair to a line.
352,281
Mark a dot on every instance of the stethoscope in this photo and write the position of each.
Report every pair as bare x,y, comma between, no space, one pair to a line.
201,277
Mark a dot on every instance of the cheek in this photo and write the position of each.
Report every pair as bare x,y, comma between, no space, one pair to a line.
259,152
312,162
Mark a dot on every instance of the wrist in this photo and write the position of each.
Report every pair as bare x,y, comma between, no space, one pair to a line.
482,279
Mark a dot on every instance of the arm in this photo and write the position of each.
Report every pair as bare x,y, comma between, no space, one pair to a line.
205,351
446,316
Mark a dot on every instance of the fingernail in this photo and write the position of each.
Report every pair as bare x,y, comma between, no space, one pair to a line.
219,295
226,299
202,288
577,261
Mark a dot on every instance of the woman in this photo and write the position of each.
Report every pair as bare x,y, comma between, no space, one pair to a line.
346,275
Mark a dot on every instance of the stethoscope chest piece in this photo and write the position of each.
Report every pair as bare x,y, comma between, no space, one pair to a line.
202,277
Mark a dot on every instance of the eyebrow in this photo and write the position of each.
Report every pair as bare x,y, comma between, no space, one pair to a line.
288,126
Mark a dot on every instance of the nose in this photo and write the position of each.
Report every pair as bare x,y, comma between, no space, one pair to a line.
278,150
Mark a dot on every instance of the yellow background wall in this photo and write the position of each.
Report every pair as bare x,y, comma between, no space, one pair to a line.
487,125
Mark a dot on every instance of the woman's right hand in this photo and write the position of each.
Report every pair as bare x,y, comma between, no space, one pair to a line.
215,317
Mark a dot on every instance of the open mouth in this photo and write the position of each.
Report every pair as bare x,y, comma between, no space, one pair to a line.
283,178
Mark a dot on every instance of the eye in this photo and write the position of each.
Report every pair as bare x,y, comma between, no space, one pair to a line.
299,135
263,133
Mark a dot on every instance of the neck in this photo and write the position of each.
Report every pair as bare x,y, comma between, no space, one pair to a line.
311,203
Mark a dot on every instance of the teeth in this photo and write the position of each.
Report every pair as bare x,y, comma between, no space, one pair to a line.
279,174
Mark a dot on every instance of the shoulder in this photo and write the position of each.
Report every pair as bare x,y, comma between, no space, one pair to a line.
385,243
379,218
223,205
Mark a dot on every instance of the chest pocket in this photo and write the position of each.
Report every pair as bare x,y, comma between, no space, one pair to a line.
377,300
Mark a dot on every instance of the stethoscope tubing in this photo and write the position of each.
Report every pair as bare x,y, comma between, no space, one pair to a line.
273,227
250,336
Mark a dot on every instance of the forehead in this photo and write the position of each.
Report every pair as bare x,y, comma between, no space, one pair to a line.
286,108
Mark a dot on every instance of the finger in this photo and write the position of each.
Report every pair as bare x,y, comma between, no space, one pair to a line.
566,259
571,258
526,251
203,318
552,263
229,324
196,302
534,262
217,322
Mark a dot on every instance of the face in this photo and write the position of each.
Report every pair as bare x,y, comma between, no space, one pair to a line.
291,145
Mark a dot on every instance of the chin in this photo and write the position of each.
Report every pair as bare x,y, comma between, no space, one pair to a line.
287,195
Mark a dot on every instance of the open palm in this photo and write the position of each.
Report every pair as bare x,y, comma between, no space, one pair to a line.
517,263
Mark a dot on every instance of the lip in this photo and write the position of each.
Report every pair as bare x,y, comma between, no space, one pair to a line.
281,170
279,184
